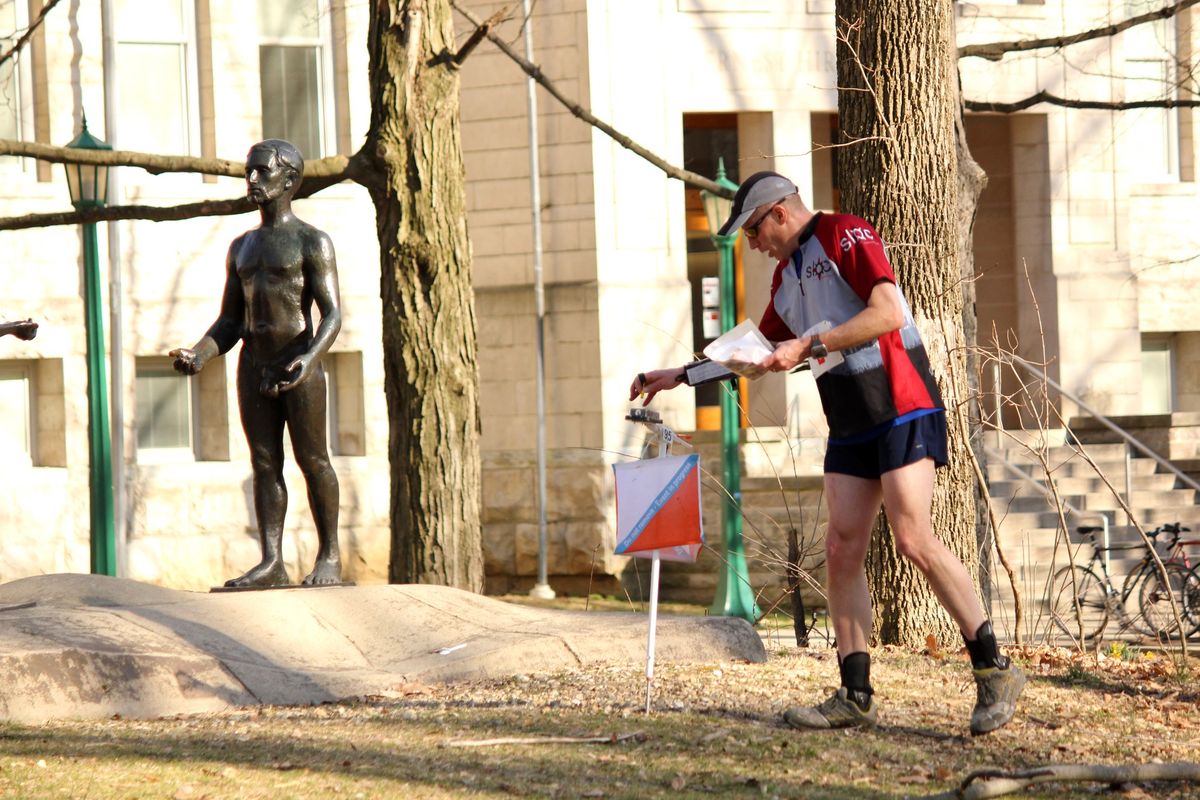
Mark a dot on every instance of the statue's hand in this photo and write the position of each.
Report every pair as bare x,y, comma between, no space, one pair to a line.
25,329
186,361
299,370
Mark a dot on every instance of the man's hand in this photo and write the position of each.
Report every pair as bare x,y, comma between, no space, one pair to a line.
789,354
651,383
187,362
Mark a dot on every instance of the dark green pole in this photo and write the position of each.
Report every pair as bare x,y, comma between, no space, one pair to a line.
103,540
734,598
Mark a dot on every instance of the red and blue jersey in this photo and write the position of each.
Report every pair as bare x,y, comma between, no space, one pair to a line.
830,277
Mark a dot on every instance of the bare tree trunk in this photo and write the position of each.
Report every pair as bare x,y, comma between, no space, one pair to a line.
897,103
430,367
972,180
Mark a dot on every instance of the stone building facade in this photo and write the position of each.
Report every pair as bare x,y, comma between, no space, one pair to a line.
1090,211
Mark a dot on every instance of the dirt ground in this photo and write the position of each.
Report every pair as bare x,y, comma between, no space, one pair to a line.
714,732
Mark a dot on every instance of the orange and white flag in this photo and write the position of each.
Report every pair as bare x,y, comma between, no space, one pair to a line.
658,507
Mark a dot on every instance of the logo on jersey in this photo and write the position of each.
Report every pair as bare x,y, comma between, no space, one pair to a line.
818,269
852,235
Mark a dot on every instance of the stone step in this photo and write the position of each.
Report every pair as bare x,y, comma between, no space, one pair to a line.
1031,520
1097,501
1083,485
1055,456
1037,559
1174,436
1078,468
1116,533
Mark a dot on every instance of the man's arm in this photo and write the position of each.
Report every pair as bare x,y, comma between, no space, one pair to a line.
697,373
884,313
320,275
226,331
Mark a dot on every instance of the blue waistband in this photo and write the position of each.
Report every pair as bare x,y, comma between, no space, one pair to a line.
879,430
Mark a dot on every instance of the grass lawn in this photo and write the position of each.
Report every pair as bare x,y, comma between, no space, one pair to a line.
714,732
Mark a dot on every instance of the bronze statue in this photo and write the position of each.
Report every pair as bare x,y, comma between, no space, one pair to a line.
274,274
24,329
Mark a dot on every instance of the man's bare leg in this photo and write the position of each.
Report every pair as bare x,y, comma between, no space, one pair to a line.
908,495
908,498
853,505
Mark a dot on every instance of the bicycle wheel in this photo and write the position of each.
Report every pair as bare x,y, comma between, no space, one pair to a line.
1155,600
1078,585
1191,600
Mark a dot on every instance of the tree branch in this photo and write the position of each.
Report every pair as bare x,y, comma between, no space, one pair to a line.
478,34
997,50
203,208
157,164
994,783
535,72
1098,105
28,34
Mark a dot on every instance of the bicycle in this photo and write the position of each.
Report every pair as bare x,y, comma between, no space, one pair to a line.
1082,601
1190,590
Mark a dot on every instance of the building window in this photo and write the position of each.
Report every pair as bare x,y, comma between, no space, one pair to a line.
16,114
1157,376
32,412
16,424
10,94
344,388
164,409
155,68
294,72
1150,74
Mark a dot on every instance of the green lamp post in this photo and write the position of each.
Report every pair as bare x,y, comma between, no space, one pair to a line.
88,185
734,597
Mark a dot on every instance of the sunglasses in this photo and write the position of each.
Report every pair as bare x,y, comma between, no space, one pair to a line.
751,231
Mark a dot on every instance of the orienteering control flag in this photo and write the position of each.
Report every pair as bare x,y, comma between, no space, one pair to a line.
658,507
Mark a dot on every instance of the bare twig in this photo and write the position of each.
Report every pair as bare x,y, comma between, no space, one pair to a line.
1098,105
799,624
203,208
535,72
983,784
159,164
510,740
478,35
997,50
28,34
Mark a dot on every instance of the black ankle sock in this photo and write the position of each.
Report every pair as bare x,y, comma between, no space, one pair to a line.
983,650
856,677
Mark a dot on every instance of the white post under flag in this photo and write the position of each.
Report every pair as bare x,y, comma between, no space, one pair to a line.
658,515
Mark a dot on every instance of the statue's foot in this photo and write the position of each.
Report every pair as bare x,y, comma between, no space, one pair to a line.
326,572
268,573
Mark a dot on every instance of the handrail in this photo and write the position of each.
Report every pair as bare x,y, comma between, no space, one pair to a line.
1129,438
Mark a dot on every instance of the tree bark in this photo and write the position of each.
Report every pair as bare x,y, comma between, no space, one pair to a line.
431,372
897,105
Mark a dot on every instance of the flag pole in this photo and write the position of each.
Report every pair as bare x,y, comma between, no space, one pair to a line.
665,435
653,622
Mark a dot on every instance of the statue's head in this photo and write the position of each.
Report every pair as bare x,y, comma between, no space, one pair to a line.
274,167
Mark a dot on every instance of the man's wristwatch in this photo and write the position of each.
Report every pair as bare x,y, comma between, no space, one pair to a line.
818,348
